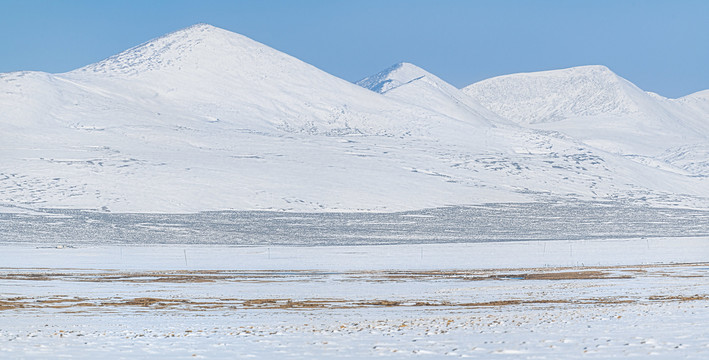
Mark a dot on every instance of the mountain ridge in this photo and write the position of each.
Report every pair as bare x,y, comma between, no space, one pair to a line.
205,119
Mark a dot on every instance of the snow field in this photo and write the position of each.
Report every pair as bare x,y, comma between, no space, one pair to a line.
486,255
527,300
619,331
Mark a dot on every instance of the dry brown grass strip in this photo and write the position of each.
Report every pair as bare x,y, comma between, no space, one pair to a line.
245,304
574,275
265,276
679,297
386,303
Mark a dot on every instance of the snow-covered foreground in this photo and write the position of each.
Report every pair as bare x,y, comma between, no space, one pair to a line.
633,297
671,329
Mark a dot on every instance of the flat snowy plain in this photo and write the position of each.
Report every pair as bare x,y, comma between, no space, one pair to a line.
584,298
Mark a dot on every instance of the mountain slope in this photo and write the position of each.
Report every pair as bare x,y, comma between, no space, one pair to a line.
202,119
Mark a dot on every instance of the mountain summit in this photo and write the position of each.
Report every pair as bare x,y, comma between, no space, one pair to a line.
200,45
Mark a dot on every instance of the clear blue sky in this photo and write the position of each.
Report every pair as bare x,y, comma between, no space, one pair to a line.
661,46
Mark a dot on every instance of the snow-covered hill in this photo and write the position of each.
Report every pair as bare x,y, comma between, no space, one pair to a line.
206,119
548,96
598,107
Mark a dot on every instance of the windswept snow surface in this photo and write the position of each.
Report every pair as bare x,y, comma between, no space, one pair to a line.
206,119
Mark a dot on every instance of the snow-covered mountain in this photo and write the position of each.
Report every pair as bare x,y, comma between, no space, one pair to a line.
409,83
216,74
206,119
598,107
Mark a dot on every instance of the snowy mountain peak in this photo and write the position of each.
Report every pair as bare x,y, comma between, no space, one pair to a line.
699,102
549,96
409,83
191,47
699,95
393,77
199,27
588,69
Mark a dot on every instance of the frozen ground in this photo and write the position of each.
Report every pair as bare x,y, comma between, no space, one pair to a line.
568,220
530,299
